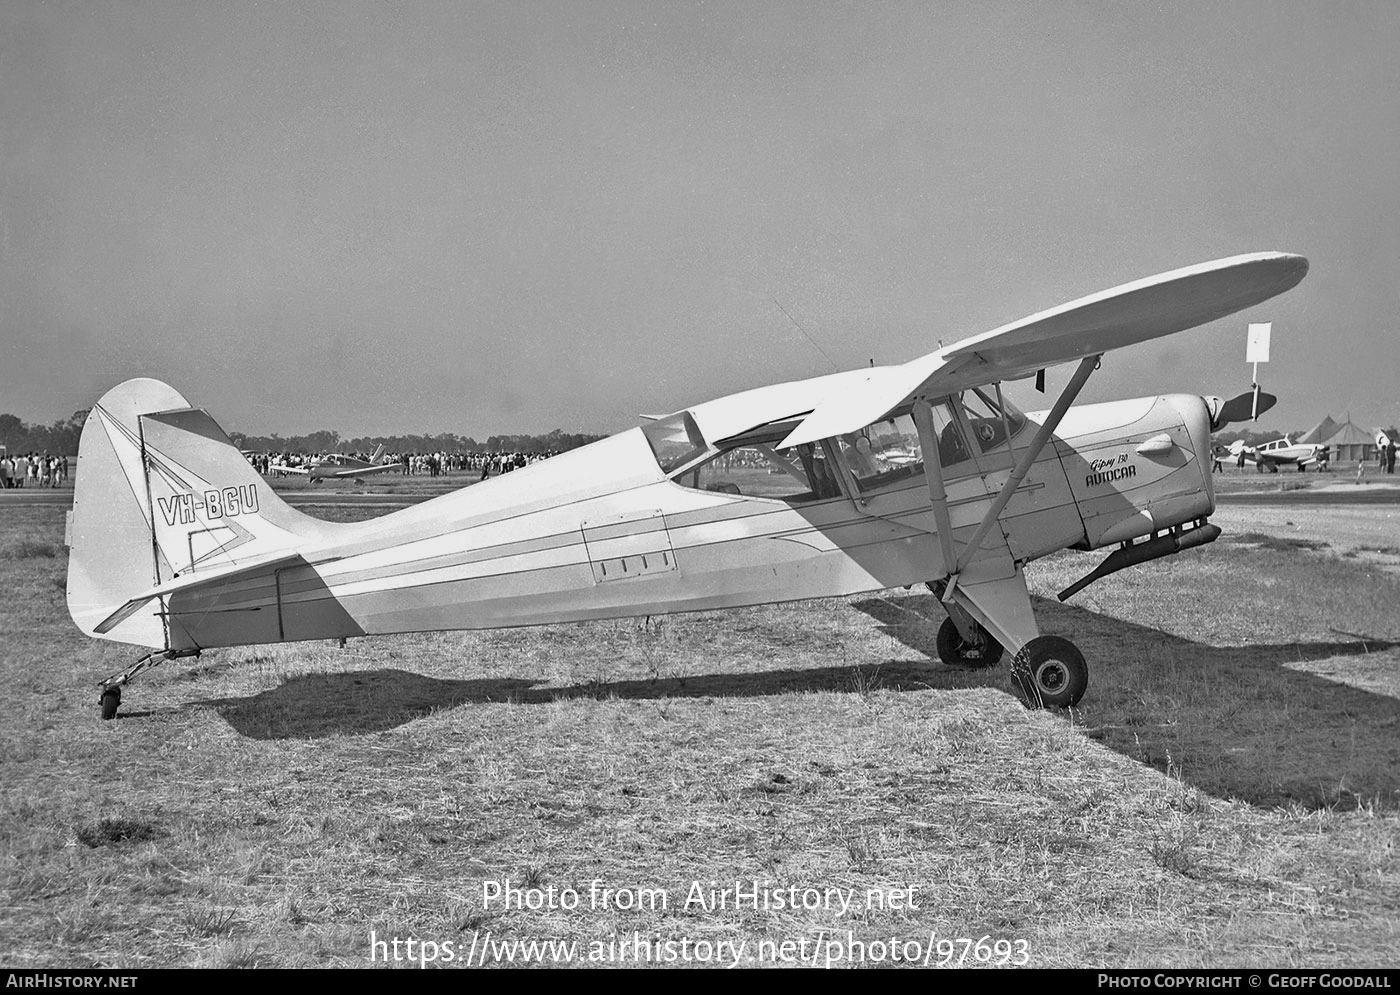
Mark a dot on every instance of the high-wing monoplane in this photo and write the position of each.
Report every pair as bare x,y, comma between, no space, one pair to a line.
340,465
877,478
1279,452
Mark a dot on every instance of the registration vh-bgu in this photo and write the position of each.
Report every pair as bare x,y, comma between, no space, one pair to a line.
853,482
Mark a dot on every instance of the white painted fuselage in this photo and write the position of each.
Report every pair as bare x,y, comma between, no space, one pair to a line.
602,532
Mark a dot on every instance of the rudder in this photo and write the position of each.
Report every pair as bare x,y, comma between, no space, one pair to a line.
160,492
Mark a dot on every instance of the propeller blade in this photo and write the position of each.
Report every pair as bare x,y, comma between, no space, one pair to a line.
1241,408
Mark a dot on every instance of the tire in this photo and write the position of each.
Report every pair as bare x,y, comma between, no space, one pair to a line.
111,698
954,650
1050,672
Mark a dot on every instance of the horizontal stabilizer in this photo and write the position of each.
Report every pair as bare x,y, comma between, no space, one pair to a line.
212,578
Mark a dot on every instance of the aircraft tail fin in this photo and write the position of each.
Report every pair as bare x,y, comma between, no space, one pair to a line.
161,493
378,455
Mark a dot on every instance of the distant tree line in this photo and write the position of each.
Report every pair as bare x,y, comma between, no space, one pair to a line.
326,441
61,438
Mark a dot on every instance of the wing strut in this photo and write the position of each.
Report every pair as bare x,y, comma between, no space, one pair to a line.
938,496
1037,443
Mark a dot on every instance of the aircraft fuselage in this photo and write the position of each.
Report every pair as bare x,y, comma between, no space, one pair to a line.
602,532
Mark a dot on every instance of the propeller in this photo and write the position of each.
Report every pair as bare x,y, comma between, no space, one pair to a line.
1237,409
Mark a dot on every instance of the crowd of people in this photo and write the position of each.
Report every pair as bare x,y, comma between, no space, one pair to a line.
487,464
34,469
412,464
44,470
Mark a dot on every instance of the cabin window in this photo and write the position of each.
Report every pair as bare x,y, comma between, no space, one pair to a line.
890,451
884,453
675,440
802,473
985,417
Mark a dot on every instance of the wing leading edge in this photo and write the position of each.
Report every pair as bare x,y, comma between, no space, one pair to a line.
1111,319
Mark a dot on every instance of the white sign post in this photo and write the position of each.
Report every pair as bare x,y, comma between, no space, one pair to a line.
1256,352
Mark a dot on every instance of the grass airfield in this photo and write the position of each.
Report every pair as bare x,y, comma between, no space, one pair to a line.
1227,794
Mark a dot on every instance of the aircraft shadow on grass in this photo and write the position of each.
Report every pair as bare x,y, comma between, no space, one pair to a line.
1295,738
318,705
1292,737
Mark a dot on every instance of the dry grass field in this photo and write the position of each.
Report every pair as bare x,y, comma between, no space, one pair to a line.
1228,793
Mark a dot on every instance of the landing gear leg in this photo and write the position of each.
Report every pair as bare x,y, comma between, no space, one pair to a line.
1049,672
110,690
954,650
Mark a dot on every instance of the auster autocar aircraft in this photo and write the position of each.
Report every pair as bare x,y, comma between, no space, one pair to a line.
336,465
798,490
1280,452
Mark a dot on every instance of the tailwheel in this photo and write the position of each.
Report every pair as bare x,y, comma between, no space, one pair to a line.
111,698
1050,672
110,690
956,651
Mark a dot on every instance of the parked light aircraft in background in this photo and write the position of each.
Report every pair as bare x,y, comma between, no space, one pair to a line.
1280,452
798,490
340,465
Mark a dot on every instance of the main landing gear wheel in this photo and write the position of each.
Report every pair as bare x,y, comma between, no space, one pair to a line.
111,698
1050,672
958,652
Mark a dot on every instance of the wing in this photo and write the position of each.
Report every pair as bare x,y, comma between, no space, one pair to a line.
365,471
1135,312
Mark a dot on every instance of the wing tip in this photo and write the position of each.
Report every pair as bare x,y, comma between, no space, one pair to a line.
1289,264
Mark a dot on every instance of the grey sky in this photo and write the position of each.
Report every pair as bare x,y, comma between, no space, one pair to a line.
476,218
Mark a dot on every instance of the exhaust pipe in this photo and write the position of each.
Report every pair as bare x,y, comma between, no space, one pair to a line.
1132,554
